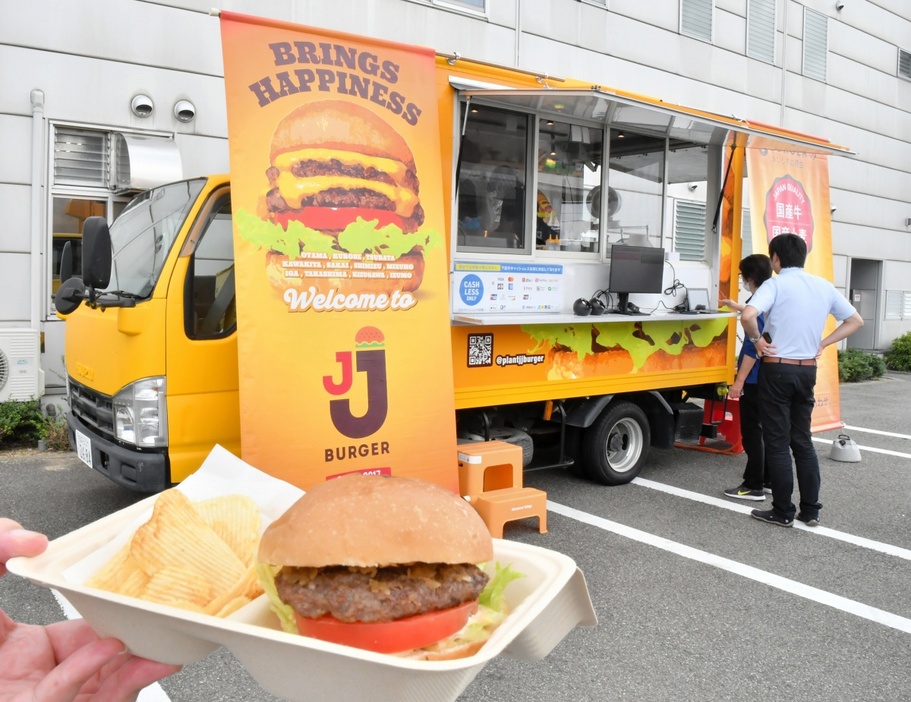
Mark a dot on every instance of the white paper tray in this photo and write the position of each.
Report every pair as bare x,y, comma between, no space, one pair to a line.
547,604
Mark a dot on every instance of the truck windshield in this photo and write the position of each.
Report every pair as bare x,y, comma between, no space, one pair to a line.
143,234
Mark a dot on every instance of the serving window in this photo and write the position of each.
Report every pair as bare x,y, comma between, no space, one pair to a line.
527,183
493,205
566,174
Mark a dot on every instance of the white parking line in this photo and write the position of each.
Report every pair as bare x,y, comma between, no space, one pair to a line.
859,609
868,448
877,431
888,549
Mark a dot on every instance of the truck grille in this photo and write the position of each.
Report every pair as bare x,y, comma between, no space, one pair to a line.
92,408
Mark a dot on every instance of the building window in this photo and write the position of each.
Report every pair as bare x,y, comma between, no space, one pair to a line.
904,63
815,44
689,230
761,30
479,6
898,304
81,157
696,18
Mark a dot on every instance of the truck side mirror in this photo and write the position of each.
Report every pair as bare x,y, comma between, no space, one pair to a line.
66,262
70,295
96,253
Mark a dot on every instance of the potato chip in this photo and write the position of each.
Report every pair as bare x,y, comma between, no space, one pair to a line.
121,574
232,606
236,519
109,575
134,580
247,587
177,536
174,584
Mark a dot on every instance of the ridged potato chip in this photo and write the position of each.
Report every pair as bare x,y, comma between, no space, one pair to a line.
236,519
121,574
173,584
177,536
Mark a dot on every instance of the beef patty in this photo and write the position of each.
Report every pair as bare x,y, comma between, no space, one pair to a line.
379,594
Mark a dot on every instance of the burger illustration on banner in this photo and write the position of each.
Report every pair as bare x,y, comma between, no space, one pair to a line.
341,207
788,209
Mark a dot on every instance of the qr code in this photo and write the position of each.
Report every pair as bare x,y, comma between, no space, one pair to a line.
480,350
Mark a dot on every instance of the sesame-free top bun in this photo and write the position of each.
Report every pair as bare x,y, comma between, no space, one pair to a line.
333,124
358,520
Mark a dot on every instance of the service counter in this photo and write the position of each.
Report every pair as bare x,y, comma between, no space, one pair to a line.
494,319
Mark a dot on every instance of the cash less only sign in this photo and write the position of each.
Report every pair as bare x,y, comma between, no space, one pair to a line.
342,287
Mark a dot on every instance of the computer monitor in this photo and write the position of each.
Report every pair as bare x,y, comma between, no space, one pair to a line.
634,269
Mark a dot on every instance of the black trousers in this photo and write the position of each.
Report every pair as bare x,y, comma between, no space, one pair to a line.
786,405
755,474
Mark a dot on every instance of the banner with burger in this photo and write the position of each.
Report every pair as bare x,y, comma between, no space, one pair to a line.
789,193
342,287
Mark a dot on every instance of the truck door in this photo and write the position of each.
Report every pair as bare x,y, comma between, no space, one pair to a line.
202,340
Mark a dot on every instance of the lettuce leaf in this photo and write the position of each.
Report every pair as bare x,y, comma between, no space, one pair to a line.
358,237
492,594
266,574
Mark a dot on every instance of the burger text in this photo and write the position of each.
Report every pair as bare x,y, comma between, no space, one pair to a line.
341,453
335,301
368,79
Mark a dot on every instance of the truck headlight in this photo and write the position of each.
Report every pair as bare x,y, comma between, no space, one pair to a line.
141,414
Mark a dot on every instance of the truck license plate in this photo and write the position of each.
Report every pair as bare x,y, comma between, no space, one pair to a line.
84,448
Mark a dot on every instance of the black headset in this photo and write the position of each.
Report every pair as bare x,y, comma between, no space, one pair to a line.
594,306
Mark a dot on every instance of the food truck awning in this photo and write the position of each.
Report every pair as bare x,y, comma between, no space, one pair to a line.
620,111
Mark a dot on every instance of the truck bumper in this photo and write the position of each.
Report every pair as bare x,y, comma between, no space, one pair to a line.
140,471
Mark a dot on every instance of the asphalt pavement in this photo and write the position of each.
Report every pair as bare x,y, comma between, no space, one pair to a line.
696,601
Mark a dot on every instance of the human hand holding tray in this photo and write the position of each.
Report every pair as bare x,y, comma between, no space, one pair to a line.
546,605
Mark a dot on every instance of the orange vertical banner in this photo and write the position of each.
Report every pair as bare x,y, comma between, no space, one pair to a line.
342,286
789,193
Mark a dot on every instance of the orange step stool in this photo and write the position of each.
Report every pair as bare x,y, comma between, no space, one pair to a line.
497,507
488,465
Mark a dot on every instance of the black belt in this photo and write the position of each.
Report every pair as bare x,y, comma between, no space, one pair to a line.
790,361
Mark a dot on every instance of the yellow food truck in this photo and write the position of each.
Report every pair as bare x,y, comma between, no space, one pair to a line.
590,234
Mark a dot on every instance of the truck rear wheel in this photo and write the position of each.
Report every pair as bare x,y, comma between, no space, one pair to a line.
615,446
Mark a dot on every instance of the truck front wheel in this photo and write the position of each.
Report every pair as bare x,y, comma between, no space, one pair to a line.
615,446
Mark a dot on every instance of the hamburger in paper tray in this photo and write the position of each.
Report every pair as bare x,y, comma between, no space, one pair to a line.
365,587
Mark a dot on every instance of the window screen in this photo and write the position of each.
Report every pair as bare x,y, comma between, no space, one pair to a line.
904,63
815,44
696,18
761,30
689,230
81,157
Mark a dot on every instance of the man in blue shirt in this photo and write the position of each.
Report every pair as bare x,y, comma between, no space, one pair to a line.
796,306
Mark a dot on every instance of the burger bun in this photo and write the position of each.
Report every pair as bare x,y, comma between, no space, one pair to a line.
373,521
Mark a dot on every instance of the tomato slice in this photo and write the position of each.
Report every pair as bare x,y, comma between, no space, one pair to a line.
337,218
389,637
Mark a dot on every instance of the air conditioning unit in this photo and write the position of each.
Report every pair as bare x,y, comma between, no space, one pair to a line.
21,377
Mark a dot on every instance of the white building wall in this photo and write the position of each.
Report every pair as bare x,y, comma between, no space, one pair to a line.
90,58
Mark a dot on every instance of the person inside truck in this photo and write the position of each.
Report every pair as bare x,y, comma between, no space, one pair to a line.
65,660
754,271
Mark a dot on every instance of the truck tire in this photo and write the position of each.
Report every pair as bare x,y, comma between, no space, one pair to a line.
615,446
